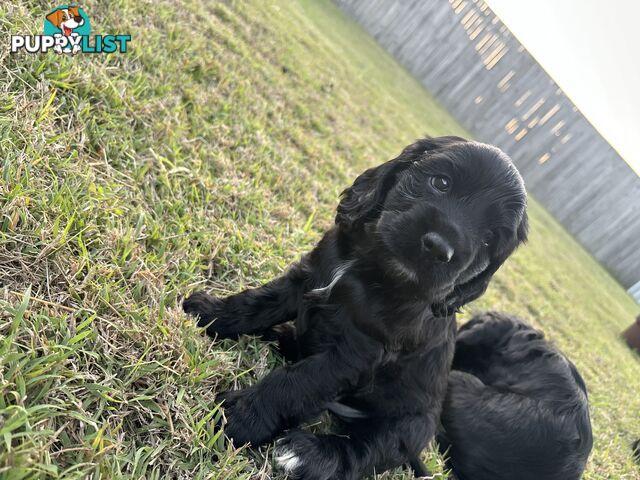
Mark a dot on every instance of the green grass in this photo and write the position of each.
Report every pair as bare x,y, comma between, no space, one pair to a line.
211,156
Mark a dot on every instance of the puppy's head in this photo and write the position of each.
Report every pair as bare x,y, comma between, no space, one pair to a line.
444,215
66,19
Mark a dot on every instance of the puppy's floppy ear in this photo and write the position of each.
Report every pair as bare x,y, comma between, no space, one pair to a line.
56,17
362,202
474,288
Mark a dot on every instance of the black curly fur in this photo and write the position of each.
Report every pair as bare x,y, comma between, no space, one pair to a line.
516,407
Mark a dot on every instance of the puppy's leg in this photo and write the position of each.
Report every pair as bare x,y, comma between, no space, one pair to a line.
376,447
290,395
285,335
252,311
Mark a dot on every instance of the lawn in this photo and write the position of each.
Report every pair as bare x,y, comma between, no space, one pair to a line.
211,156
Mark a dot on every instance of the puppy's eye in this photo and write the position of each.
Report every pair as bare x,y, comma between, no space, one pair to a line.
441,183
486,240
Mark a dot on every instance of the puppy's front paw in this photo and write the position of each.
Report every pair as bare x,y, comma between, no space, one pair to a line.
207,309
249,420
202,306
307,456
218,315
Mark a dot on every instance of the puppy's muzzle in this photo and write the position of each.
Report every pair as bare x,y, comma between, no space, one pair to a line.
436,247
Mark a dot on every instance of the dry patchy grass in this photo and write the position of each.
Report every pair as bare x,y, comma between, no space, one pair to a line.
211,156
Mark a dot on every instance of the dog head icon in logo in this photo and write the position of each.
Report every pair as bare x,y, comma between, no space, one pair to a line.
68,21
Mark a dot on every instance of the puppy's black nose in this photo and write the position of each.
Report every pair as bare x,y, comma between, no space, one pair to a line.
437,247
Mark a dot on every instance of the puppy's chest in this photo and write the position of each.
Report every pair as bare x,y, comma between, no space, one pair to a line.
415,331
402,380
413,365
404,330
425,364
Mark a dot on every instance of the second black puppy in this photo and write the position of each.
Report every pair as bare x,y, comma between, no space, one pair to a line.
415,238
516,407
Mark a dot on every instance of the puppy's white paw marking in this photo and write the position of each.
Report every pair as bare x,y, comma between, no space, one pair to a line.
288,460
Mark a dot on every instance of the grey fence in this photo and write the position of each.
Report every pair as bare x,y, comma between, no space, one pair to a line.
470,61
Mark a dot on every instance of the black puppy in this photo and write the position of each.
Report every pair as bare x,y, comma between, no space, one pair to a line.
415,238
516,408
